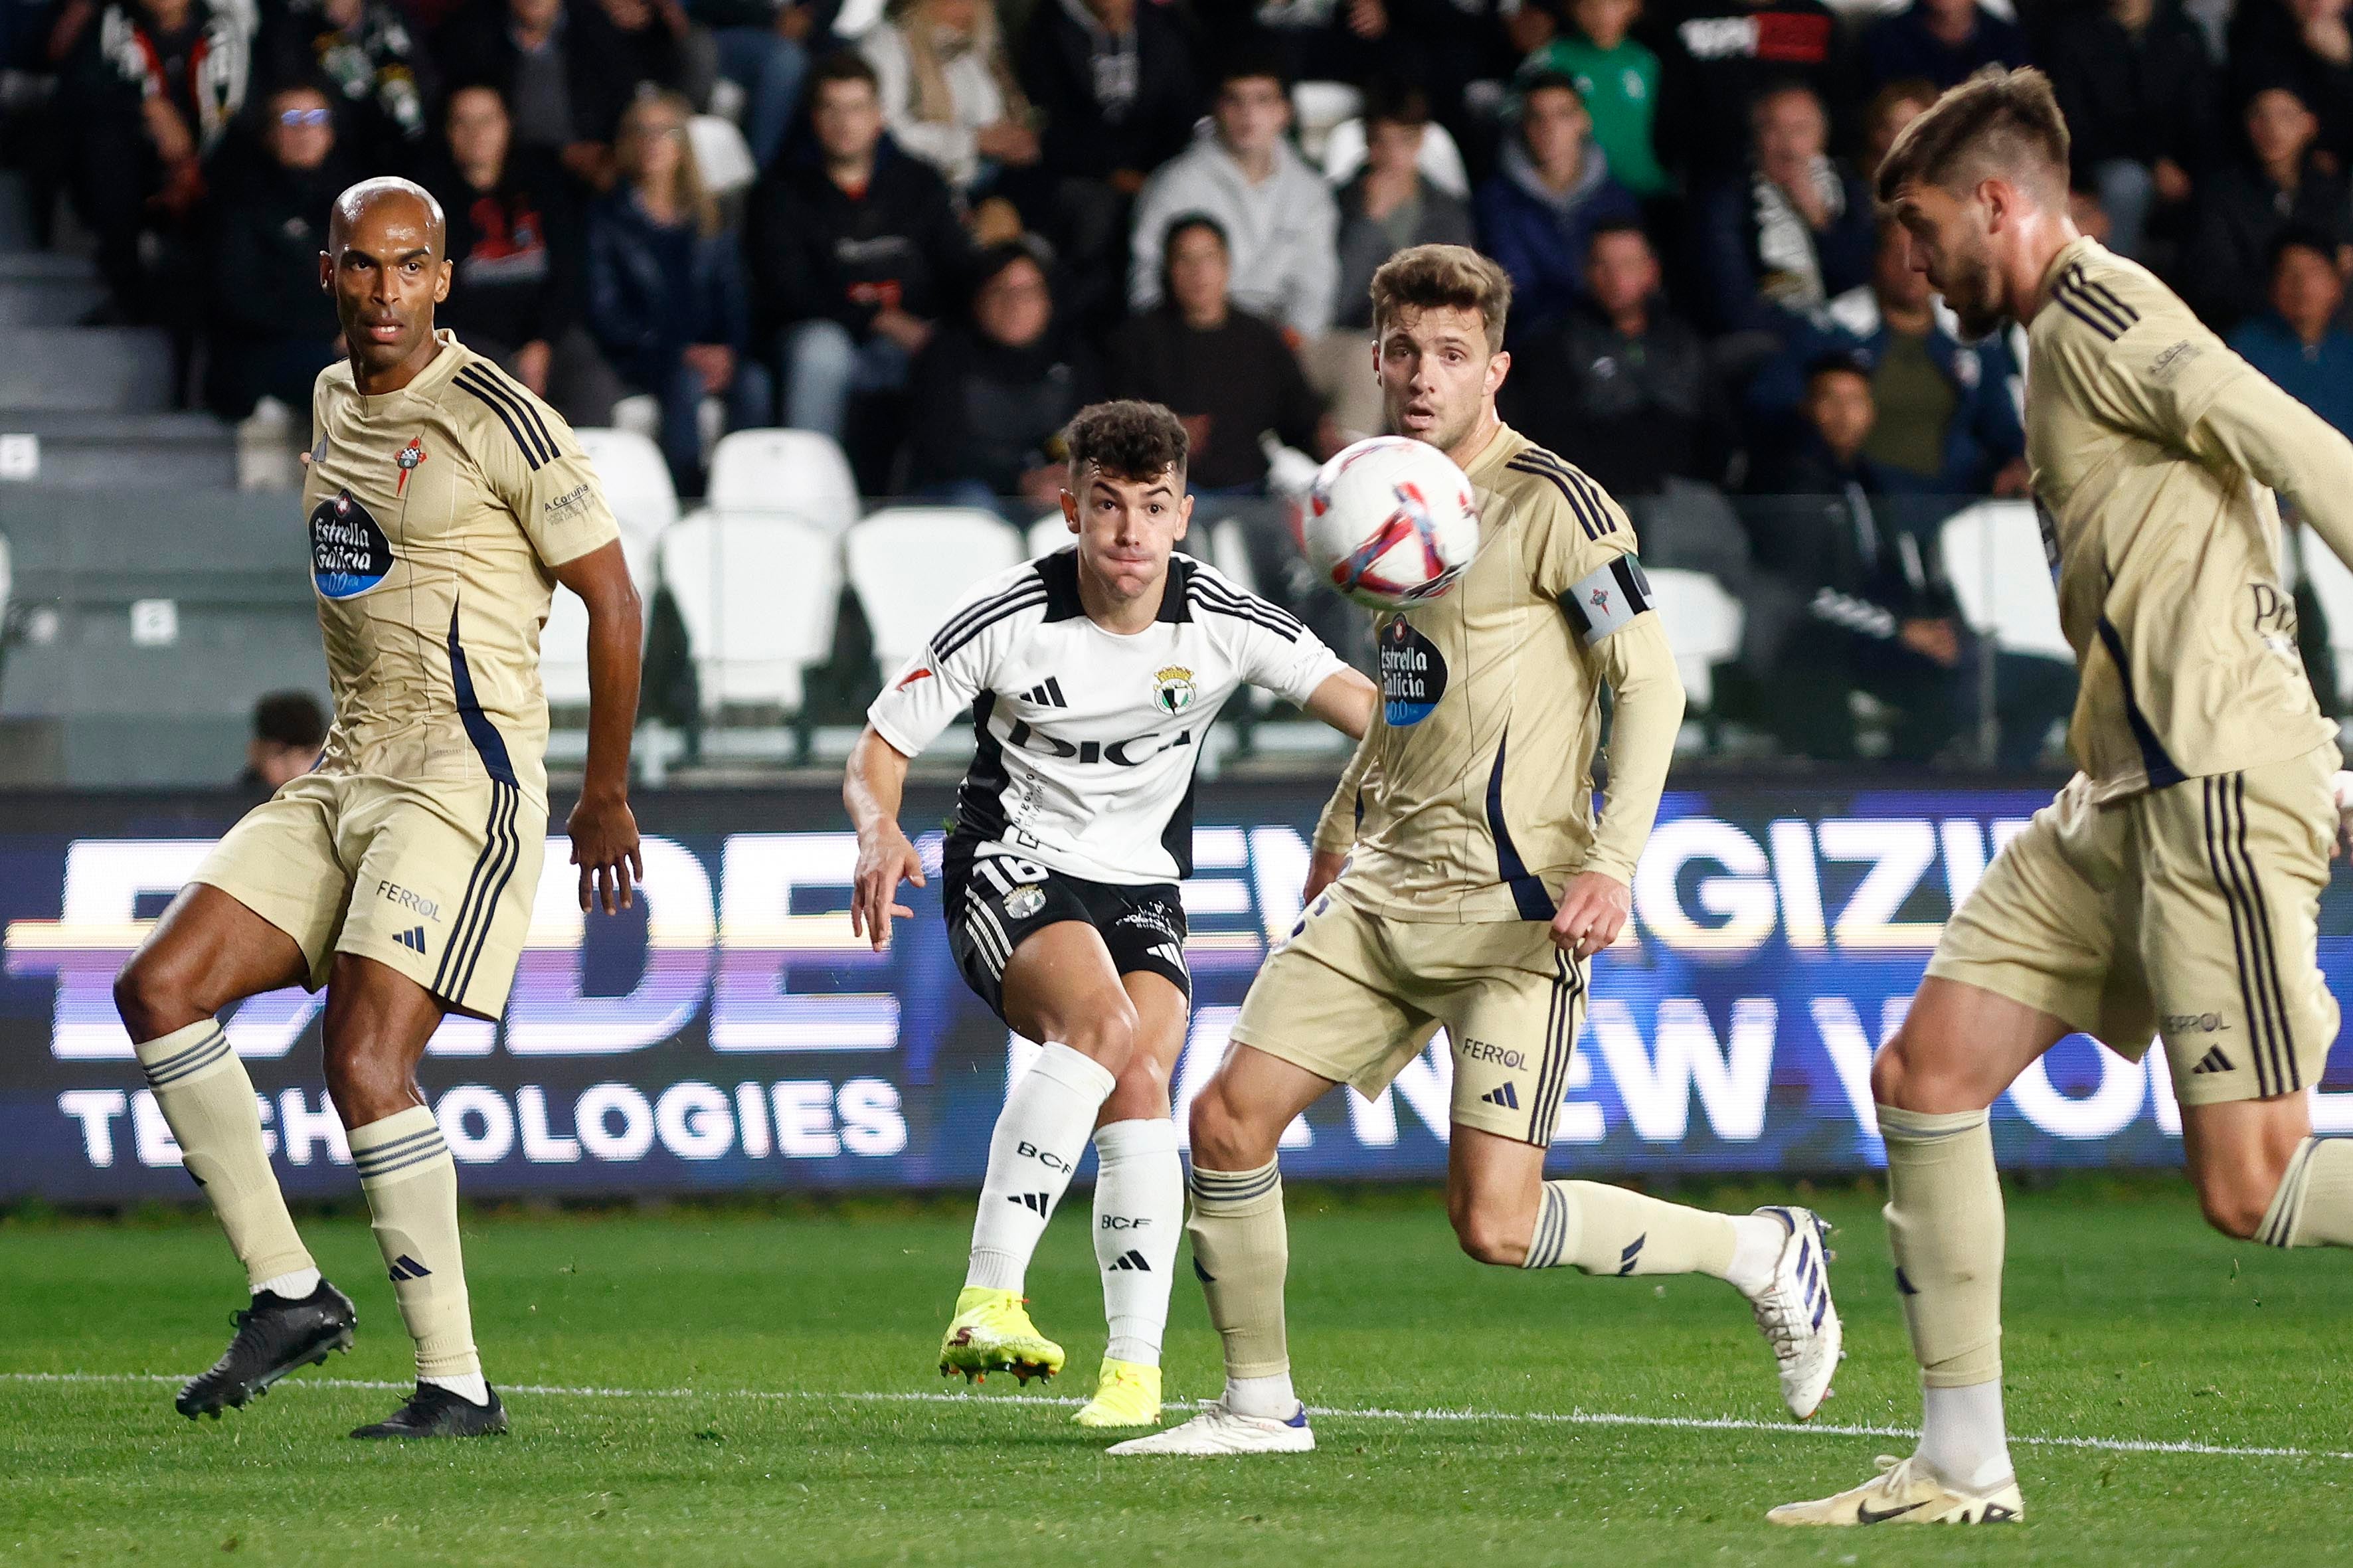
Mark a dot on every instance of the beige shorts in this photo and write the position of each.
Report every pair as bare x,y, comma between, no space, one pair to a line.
1353,997
434,879
2190,913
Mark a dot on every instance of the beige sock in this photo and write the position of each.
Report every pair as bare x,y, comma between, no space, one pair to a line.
1944,1227
207,1101
1242,1249
1608,1230
411,1184
2314,1205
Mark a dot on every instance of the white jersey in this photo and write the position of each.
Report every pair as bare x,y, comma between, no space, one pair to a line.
1085,740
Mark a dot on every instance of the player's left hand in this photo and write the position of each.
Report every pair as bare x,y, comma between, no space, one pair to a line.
1594,908
2341,786
605,847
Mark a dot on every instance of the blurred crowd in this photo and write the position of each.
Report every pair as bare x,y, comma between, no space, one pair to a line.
958,221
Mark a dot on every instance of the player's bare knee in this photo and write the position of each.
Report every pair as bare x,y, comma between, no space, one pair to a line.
152,996
2235,1202
1889,1069
1221,1136
1488,1236
1142,1092
368,1087
1106,1034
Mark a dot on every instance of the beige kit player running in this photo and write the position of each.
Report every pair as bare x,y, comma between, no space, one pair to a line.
443,503
1480,887
2173,887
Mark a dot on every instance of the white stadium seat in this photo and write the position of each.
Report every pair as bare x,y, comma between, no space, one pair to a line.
1316,107
758,597
1441,161
1048,534
1704,624
796,473
910,565
722,156
2332,585
637,483
563,640
1993,557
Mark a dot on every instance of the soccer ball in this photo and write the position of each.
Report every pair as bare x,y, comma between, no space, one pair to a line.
1389,522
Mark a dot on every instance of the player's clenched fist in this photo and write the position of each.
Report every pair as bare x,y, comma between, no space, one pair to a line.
1593,910
885,859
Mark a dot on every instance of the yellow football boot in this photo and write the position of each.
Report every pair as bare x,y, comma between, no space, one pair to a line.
991,1331
1127,1394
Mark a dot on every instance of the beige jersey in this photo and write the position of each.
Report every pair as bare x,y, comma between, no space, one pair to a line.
1470,797
435,512
2156,450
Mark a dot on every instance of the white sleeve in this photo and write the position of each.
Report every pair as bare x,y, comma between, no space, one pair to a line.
1288,659
955,665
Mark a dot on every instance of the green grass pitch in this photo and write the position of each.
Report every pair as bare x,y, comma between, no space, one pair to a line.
787,1410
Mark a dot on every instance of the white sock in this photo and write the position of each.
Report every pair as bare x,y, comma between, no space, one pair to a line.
1961,1435
1139,1214
293,1287
1757,1244
470,1388
1269,1396
1039,1135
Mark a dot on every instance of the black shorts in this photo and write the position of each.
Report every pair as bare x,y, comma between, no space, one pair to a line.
994,901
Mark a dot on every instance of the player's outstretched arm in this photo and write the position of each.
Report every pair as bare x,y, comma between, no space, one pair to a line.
872,788
1639,668
1346,700
603,832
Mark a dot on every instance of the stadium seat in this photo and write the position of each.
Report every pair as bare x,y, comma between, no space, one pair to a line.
721,155
1993,557
1440,162
910,565
2332,585
758,595
1318,106
41,288
564,641
796,473
637,483
1048,534
123,370
1704,624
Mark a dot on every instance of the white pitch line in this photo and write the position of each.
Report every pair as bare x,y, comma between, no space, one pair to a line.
1336,1413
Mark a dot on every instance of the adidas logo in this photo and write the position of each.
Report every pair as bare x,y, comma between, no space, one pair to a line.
1046,696
1034,1202
1133,1261
412,939
407,1268
2212,1061
1506,1095
1627,1258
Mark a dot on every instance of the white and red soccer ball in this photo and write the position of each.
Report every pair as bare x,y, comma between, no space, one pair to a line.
1389,522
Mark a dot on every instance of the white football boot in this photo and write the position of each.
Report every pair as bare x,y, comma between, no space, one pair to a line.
1907,1492
1795,1315
1218,1432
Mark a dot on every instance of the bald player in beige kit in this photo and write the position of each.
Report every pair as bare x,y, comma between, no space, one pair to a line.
444,502
2172,890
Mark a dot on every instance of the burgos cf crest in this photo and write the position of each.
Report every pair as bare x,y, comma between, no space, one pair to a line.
407,459
1173,689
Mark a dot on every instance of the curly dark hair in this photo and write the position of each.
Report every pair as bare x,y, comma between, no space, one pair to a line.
1127,439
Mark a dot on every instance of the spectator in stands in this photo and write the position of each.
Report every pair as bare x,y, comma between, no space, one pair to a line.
1943,42
1552,189
666,295
289,729
989,397
274,328
2139,92
1944,419
1891,109
2306,47
763,46
1389,205
1617,78
1317,40
2298,341
378,68
666,47
1114,82
1795,231
1621,386
950,98
1273,208
515,249
1880,616
1719,57
1227,373
561,68
856,248
2242,208
144,97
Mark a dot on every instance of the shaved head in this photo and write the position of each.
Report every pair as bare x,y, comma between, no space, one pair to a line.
420,211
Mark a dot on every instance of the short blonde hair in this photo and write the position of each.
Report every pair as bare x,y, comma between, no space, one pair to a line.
1442,276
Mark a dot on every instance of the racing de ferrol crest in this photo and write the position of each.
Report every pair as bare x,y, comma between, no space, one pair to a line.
1172,688
406,459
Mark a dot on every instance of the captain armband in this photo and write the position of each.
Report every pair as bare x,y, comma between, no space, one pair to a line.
1608,599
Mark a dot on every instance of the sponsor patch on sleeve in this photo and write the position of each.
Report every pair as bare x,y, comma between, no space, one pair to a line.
1608,599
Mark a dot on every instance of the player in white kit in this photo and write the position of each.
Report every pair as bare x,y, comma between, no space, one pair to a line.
1093,675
